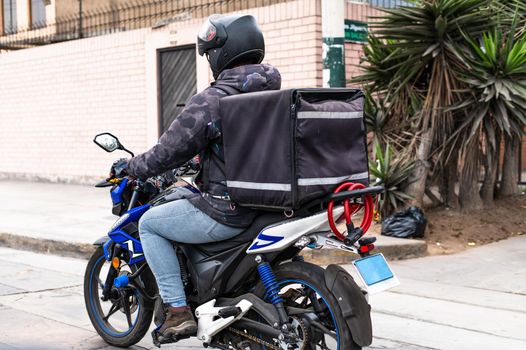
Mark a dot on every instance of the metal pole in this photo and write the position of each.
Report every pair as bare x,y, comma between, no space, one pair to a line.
80,20
333,33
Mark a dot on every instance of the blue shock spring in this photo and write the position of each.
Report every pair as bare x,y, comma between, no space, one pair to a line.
270,283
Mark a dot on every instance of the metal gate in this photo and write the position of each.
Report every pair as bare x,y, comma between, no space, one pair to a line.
177,82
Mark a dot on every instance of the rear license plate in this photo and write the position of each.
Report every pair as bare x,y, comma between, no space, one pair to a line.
375,273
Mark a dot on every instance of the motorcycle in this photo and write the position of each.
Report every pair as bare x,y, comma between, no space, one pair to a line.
253,291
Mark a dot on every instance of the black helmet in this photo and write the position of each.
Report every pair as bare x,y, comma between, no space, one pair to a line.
230,40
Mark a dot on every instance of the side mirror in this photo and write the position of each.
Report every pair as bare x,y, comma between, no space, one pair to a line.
107,142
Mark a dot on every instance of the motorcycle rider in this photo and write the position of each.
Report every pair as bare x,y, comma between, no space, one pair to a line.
234,47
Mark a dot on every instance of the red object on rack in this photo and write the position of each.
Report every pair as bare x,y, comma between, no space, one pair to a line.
350,210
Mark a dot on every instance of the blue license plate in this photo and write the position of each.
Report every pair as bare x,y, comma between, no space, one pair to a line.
375,273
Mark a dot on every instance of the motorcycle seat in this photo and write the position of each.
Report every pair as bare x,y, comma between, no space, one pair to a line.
245,236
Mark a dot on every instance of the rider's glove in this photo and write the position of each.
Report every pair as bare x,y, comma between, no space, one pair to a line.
119,168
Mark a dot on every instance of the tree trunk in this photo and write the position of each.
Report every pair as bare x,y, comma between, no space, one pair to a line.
417,180
469,195
487,192
451,178
448,180
510,169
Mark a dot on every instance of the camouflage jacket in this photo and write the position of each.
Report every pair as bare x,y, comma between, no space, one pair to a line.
195,131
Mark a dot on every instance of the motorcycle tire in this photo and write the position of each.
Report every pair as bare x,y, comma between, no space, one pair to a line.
93,303
313,277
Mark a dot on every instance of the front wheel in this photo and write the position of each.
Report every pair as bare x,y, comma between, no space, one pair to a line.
323,326
124,318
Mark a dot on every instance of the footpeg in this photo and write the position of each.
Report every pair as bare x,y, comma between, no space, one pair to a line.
158,339
209,324
229,311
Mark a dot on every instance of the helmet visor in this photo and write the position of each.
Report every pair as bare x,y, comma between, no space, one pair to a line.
208,31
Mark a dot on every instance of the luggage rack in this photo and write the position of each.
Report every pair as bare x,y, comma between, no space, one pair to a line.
348,197
341,196
338,198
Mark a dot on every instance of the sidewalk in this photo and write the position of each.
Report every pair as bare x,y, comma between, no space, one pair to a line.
67,219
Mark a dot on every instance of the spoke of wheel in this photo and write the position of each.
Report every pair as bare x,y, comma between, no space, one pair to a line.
126,306
100,282
113,309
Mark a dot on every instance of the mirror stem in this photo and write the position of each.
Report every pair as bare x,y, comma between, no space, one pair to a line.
130,152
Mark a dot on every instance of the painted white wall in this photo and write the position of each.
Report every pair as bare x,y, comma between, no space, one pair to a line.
22,13
50,12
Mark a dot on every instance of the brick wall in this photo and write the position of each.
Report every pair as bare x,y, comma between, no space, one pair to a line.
353,51
55,98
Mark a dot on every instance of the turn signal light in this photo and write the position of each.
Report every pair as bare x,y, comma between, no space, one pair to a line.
116,262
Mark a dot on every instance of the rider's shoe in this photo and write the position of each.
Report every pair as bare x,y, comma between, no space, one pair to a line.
179,321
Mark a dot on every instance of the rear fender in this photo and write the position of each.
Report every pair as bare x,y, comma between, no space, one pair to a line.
353,305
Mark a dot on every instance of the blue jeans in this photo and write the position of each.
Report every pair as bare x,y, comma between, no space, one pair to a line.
176,221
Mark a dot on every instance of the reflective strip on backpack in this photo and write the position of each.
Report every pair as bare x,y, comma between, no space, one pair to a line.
259,186
332,180
329,115
266,186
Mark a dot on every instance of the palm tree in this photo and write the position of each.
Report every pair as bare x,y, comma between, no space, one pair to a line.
495,79
415,65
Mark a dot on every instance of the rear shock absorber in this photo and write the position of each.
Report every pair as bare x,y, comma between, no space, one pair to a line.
272,288
270,282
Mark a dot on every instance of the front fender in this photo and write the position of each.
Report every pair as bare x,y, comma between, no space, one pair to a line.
101,241
352,303
107,245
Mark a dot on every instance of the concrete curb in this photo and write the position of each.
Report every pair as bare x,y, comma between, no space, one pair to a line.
48,246
393,249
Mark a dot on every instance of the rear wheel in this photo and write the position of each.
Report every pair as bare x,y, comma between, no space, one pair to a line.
125,317
322,326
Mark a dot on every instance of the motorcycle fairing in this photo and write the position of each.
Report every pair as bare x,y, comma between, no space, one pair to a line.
209,273
278,237
352,303
117,190
120,235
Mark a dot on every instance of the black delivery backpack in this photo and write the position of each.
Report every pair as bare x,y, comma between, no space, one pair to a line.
284,148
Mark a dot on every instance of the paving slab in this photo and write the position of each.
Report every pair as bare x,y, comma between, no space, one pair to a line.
437,336
507,324
30,278
24,330
462,294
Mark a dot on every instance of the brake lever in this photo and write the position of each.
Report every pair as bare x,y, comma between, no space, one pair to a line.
103,183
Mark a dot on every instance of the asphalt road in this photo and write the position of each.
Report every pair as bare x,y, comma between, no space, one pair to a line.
472,300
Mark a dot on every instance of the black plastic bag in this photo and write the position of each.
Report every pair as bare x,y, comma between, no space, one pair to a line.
410,223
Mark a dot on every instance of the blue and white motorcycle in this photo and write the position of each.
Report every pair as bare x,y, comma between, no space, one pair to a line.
253,291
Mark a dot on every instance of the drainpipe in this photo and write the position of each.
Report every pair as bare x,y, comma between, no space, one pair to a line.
333,32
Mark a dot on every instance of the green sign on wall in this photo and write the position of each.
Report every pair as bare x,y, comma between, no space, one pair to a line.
356,31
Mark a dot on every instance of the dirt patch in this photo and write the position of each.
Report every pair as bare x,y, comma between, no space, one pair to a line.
449,231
